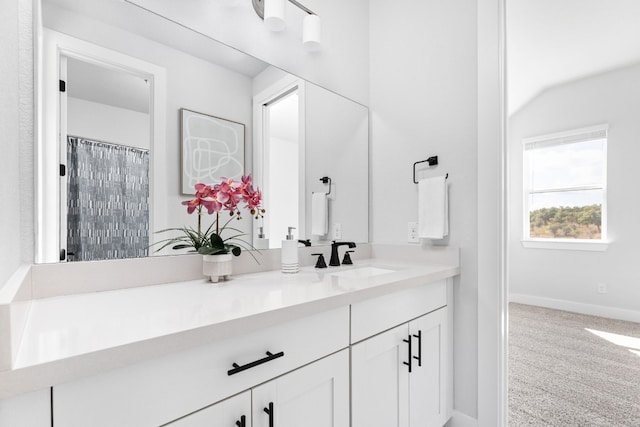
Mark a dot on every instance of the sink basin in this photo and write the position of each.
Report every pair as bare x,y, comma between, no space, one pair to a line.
362,272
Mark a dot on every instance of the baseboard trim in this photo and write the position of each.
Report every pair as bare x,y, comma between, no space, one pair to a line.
458,419
577,307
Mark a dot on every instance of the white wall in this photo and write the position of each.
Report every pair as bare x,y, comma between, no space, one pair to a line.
268,77
107,123
423,102
612,98
16,137
9,161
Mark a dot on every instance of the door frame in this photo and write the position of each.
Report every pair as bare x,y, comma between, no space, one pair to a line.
492,259
273,92
55,47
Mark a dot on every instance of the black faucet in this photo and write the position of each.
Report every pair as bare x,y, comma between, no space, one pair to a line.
335,260
347,258
305,242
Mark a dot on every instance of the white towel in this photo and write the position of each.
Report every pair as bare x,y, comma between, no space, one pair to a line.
319,214
433,208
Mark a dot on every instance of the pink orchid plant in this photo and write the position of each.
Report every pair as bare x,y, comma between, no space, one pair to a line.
228,195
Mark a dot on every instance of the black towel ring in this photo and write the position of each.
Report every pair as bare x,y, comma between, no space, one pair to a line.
325,180
433,161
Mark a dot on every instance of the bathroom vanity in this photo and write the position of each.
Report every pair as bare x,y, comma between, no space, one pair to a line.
362,345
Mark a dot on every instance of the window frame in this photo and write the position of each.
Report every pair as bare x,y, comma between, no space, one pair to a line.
588,133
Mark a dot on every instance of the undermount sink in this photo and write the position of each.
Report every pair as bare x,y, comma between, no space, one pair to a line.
362,272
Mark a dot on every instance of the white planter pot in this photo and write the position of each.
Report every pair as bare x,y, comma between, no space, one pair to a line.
217,266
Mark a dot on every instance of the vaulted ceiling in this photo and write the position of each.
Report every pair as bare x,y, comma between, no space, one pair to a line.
551,42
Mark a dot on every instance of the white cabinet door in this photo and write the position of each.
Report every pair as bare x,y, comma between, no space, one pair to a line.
316,395
27,410
428,379
386,392
232,412
380,380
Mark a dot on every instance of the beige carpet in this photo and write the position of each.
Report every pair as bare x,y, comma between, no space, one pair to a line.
561,374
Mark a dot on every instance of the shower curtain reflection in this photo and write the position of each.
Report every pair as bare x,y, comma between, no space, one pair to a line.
108,200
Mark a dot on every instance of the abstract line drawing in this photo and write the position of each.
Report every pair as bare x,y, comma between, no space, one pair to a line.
212,148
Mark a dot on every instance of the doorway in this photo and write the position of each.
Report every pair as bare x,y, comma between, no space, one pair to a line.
572,97
281,164
60,55
279,159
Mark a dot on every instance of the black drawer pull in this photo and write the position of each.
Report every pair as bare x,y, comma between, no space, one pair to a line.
242,422
269,412
237,368
419,356
408,341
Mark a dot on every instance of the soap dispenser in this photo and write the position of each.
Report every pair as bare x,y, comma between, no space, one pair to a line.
289,253
261,241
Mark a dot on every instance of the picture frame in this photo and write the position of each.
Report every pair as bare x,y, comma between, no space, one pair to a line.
212,148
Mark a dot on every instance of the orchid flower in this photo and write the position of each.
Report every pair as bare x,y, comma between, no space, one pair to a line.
226,195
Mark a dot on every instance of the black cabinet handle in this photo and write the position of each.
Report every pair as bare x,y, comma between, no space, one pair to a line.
419,356
242,422
237,368
269,412
408,341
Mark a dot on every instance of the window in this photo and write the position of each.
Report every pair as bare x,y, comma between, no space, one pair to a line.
565,186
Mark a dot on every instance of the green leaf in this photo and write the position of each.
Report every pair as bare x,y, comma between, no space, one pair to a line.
216,241
183,246
234,237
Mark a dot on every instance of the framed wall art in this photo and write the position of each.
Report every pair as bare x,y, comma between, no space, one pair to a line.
212,148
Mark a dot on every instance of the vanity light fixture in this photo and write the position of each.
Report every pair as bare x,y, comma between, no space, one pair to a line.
311,33
273,14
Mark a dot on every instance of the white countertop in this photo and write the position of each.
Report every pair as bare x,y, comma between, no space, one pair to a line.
68,337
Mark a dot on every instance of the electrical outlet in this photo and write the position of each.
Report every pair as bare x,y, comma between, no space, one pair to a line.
602,288
412,232
337,231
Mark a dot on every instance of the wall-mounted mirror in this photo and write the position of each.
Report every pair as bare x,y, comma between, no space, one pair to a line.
326,135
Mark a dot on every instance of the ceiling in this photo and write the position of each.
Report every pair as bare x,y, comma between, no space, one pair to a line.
551,42
107,86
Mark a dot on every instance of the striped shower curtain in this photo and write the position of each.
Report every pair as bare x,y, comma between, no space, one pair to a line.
107,200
